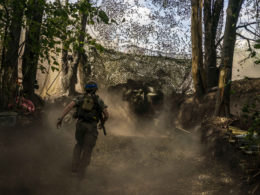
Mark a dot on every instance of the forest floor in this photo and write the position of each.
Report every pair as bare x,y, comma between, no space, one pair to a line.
36,161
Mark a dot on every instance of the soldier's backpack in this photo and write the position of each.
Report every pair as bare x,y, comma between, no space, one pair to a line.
88,108
88,102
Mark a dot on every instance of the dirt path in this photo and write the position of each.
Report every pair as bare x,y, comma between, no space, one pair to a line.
36,161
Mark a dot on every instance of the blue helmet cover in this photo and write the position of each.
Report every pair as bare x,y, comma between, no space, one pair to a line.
90,86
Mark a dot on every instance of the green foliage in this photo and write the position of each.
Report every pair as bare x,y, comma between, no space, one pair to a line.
6,16
99,47
253,53
60,26
103,16
232,92
257,46
54,69
42,68
251,118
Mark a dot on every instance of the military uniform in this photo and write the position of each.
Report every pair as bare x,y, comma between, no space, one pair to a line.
86,130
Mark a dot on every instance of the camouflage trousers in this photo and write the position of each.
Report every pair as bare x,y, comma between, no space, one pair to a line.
86,137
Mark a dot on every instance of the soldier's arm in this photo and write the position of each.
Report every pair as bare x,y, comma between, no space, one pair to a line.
103,107
106,115
66,110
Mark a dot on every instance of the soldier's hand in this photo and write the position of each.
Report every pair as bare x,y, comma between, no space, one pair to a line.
58,125
105,118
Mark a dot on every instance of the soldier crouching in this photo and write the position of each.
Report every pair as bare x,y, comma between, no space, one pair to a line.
90,109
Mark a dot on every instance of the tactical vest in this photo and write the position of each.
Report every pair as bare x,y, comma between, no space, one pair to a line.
88,109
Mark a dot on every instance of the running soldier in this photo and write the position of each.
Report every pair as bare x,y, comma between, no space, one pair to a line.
90,109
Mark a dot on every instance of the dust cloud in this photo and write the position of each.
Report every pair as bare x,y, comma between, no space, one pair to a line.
132,159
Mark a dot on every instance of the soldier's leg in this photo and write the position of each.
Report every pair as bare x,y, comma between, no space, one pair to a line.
79,135
76,157
89,144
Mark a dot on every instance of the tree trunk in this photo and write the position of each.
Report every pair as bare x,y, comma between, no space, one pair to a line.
71,75
84,71
3,49
64,70
211,20
3,53
32,45
225,77
198,72
65,56
10,58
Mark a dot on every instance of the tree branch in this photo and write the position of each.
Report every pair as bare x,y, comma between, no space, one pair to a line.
7,12
242,26
242,36
247,24
249,45
3,20
219,41
257,35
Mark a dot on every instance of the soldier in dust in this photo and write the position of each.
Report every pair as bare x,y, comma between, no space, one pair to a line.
89,110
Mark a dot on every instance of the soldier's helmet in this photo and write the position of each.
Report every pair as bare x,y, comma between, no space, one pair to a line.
91,87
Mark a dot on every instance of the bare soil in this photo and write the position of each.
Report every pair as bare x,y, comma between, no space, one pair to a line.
36,161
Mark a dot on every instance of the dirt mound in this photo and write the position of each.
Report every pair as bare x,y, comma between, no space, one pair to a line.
219,146
244,92
192,112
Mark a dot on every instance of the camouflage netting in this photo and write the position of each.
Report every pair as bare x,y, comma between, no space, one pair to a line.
111,68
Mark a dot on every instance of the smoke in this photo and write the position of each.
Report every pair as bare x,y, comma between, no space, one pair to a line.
124,122
147,158
121,122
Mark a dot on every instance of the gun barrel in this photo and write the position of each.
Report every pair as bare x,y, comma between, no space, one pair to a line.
104,130
102,122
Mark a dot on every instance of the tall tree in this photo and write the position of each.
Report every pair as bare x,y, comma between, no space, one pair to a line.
84,70
64,51
79,51
198,72
87,15
9,67
225,76
212,11
32,44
